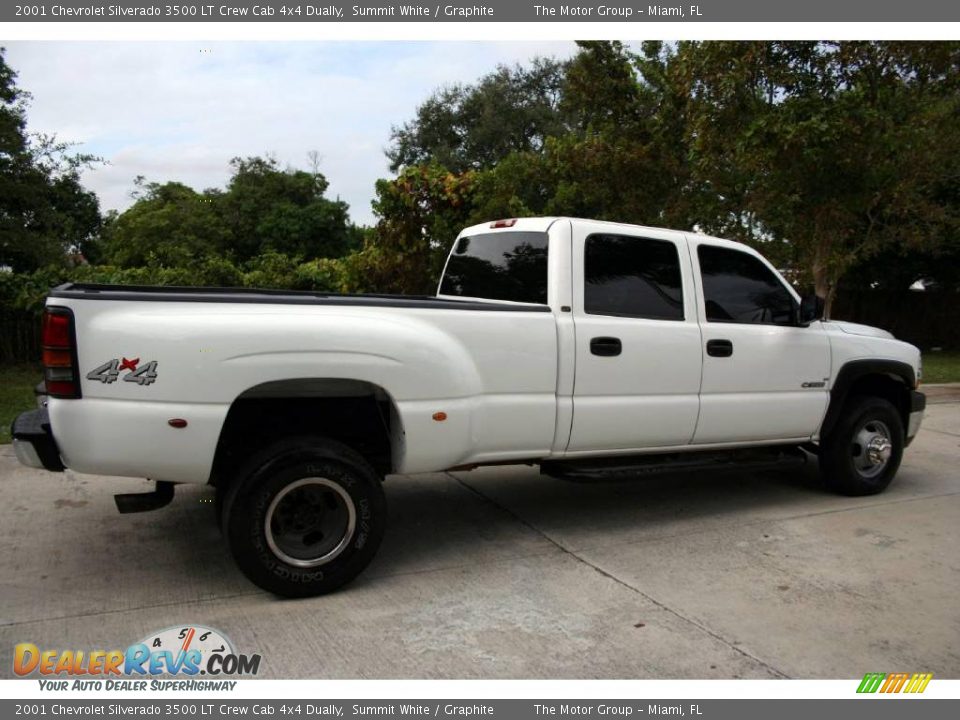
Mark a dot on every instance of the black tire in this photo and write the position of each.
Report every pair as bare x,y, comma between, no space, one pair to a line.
310,487
846,465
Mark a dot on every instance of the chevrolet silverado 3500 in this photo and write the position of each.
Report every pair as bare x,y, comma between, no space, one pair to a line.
596,350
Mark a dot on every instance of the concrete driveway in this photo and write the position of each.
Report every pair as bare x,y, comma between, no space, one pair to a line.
504,573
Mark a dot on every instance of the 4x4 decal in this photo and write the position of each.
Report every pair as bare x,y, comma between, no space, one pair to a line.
108,373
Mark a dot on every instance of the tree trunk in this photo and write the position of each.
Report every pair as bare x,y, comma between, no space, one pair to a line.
828,300
821,282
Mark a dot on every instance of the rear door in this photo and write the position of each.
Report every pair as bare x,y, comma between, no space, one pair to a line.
638,349
764,377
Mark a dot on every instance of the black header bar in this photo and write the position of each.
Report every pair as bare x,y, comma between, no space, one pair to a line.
534,11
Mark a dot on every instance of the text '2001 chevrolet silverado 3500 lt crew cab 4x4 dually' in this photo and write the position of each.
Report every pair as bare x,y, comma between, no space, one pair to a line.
597,350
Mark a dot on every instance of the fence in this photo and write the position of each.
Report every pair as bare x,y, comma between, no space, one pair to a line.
19,336
927,319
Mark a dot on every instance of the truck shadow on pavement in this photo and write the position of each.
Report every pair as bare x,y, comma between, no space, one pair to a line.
458,519
449,520
436,522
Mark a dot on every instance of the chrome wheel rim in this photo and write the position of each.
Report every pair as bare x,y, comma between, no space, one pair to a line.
310,522
872,448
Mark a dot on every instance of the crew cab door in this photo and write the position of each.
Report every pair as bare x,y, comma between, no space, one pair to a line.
764,377
638,350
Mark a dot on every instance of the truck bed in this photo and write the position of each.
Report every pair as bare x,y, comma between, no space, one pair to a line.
172,293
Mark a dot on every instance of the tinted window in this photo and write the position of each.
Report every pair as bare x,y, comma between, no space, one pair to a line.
632,276
738,288
500,266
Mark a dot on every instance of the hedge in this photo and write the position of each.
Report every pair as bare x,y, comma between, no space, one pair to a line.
22,295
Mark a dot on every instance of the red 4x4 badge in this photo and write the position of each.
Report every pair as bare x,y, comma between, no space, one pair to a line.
108,373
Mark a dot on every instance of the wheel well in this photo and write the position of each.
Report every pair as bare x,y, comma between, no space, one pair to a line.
361,415
891,386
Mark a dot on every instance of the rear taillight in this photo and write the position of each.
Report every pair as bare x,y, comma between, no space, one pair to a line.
60,371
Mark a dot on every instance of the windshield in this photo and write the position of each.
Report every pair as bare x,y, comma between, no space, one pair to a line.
499,266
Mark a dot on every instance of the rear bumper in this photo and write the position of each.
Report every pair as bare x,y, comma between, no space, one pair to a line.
918,403
33,441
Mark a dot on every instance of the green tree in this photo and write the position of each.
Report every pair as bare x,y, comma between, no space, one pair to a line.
169,225
267,208
824,153
470,127
44,211
615,161
13,122
421,212
601,92
596,176
263,210
602,154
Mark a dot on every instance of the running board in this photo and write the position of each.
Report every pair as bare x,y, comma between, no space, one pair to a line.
144,502
615,469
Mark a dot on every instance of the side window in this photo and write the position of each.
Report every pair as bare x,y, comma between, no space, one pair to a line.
632,277
738,288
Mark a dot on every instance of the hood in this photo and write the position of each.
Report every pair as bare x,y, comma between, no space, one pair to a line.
857,329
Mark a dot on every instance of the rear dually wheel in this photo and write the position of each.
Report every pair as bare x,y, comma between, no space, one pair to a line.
305,516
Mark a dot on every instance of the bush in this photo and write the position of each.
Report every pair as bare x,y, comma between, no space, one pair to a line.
22,295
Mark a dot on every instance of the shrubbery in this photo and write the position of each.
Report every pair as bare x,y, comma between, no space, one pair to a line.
22,295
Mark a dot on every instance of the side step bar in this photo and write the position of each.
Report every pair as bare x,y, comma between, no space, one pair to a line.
143,502
634,467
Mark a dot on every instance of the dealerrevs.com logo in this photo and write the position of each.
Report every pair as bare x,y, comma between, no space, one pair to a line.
189,651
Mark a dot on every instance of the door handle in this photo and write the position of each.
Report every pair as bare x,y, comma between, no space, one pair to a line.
719,348
606,346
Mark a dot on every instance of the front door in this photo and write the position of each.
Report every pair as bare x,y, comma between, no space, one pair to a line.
764,377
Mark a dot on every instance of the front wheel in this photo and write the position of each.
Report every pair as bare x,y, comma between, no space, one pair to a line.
305,517
862,454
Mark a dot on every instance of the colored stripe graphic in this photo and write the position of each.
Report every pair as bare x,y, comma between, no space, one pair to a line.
918,683
871,682
894,682
897,681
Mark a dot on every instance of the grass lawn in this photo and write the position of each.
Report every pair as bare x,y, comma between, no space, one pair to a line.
16,394
941,367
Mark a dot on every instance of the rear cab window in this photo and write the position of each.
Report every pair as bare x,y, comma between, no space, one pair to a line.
510,266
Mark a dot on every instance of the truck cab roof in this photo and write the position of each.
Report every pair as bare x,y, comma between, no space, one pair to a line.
542,224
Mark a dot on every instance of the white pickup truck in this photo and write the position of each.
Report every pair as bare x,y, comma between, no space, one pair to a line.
596,350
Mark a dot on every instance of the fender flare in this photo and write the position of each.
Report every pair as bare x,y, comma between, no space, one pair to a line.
854,370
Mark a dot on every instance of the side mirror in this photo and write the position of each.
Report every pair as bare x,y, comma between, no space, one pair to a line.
811,308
